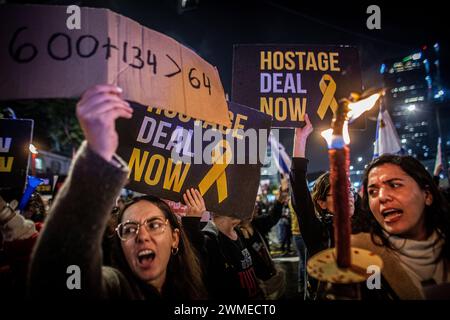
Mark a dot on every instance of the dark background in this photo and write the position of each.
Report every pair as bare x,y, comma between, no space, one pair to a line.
211,28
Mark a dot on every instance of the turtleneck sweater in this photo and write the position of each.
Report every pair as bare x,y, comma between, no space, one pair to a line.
421,259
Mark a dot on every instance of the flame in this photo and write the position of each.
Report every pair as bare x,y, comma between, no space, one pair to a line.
328,135
33,149
359,107
356,110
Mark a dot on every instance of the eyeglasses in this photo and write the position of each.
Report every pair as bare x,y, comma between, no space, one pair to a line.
130,229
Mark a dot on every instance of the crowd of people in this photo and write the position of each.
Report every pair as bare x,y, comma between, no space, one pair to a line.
140,249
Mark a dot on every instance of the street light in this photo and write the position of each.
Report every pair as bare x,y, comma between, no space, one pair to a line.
34,153
33,149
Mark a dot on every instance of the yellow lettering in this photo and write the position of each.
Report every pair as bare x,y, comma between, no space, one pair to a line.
155,110
238,125
300,59
212,125
294,107
280,109
184,118
311,61
170,114
172,179
266,106
135,161
155,180
334,61
297,111
278,60
323,61
6,164
266,60
289,63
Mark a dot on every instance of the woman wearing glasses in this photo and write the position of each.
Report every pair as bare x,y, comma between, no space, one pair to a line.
153,258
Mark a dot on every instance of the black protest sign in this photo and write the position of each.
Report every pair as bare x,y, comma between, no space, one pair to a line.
168,153
287,81
15,139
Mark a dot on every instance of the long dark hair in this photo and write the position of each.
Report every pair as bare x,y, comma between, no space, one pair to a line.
184,276
437,216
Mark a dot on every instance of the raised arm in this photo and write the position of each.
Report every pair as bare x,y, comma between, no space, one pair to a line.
310,227
191,222
73,231
265,222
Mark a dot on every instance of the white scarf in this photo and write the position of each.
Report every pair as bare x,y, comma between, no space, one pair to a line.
421,259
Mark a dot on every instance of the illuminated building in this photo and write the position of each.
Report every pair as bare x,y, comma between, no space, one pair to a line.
413,92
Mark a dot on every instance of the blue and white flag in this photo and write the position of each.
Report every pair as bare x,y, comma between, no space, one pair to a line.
438,161
32,184
282,159
386,140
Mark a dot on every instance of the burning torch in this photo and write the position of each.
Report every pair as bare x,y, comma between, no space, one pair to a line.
343,264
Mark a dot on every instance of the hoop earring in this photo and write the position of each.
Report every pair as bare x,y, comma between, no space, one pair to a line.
174,251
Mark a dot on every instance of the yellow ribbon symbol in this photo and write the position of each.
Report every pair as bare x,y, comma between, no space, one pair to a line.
217,173
328,91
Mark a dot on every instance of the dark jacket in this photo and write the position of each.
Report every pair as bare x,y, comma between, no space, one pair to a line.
258,245
317,234
222,258
73,234
266,221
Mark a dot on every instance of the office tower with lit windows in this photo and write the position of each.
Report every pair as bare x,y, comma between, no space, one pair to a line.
413,89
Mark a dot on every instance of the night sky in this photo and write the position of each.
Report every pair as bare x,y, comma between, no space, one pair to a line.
213,27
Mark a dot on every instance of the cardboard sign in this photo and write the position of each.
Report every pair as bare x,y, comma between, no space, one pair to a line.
15,139
168,153
287,81
41,58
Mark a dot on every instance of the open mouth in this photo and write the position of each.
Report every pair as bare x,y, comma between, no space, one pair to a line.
145,256
391,215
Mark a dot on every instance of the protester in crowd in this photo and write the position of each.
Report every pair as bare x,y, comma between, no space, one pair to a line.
409,221
35,208
228,264
314,212
410,226
271,278
19,236
120,203
110,235
263,209
301,253
155,259
285,230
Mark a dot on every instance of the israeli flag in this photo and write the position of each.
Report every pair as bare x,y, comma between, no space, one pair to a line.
438,161
282,159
